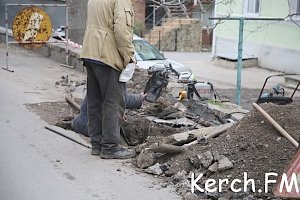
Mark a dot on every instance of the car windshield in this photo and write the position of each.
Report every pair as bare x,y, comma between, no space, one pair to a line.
146,51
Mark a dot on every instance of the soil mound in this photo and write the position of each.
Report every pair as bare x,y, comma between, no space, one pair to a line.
252,145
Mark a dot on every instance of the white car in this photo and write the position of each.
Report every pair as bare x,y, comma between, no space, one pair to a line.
59,33
147,56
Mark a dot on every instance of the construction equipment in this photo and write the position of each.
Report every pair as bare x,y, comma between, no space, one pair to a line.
158,81
277,93
196,90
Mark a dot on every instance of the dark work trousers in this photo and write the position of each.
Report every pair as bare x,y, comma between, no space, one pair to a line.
106,105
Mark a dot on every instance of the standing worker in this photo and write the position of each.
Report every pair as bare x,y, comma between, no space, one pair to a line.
107,50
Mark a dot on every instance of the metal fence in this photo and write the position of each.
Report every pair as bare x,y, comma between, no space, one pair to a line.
7,42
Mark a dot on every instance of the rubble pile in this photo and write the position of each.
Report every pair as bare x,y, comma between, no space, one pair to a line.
68,82
168,115
250,146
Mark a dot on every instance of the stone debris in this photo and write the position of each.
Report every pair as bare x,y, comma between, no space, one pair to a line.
179,106
183,187
145,159
224,164
195,161
216,155
180,176
155,169
190,196
213,167
206,159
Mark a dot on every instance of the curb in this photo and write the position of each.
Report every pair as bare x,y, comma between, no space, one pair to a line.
55,51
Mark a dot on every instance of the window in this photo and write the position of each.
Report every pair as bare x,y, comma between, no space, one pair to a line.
294,6
294,9
145,51
251,7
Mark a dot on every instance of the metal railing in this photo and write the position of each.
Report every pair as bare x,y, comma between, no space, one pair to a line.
163,6
153,19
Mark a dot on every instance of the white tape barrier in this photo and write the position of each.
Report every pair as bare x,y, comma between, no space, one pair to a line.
71,43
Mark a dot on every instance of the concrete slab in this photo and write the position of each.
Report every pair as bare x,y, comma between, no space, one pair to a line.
233,56
232,63
292,81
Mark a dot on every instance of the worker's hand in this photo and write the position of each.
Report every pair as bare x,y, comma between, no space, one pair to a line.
132,59
143,95
125,118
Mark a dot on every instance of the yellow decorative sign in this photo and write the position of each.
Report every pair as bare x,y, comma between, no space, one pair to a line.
32,24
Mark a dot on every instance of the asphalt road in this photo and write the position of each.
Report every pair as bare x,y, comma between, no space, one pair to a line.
57,14
36,164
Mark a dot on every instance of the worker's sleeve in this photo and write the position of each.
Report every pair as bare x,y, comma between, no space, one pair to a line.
123,29
134,101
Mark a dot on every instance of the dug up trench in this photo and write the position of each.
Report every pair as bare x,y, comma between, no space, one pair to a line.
177,138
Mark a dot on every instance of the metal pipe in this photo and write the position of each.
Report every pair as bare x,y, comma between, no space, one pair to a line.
35,42
154,16
67,34
240,47
239,63
248,18
66,136
276,125
6,41
176,33
159,39
295,90
41,5
214,42
6,35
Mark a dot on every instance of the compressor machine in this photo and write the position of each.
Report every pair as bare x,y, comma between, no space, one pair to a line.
159,79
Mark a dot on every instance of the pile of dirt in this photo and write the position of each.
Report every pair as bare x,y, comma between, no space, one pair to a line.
138,82
251,145
55,113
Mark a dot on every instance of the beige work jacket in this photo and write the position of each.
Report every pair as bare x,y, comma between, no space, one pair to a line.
109,32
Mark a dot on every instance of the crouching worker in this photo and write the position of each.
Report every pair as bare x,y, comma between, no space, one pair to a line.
80,123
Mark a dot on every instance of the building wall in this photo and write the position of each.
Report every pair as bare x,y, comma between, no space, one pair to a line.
77,17
187,38
269,56
139,7
276,44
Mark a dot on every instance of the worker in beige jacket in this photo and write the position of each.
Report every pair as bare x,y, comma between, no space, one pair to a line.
107,49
